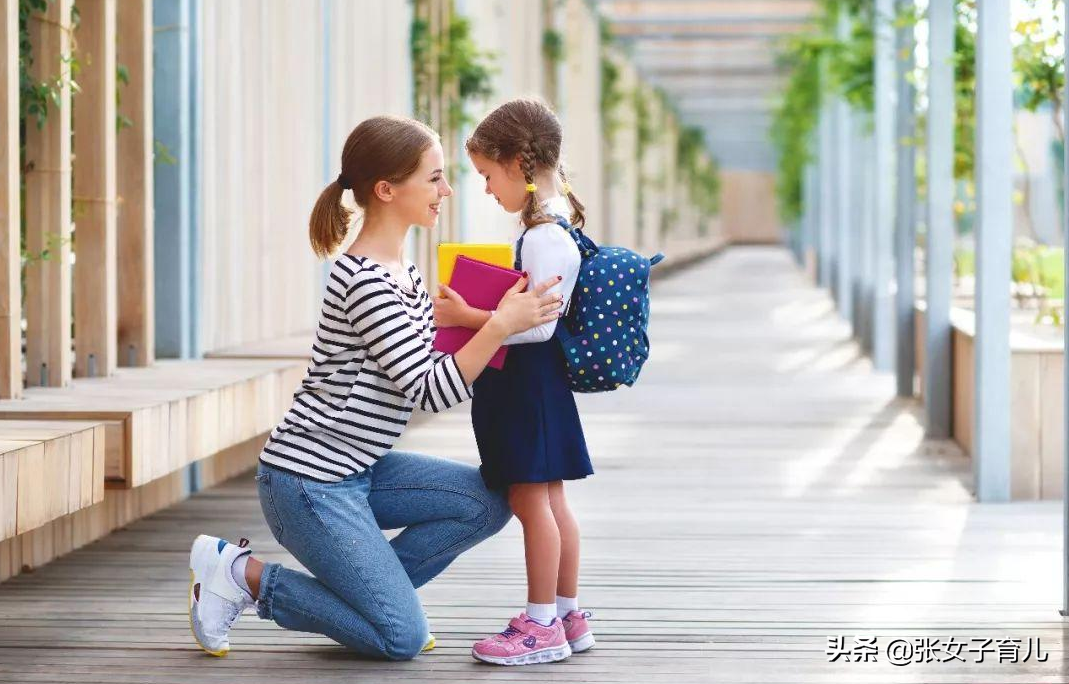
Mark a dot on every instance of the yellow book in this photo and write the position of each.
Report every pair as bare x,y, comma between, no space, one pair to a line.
499,255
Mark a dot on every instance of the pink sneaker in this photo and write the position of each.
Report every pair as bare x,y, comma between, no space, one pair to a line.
524,642
577,631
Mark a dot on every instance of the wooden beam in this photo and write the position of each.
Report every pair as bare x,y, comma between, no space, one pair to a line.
48,205
137,330
95,272
10,252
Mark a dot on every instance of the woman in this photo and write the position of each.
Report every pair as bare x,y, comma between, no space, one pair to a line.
328,478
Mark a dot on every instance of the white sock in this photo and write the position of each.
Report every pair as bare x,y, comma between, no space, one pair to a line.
237,571
542,613
566,605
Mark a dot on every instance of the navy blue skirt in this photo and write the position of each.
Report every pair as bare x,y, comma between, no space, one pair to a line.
525,419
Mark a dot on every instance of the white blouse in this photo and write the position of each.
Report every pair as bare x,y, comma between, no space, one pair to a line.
549,251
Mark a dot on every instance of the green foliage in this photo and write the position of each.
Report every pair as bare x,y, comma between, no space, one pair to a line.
965,91
162,154
471,68
553,45
122,78
613,94
698,169
643,124
796,116
459,62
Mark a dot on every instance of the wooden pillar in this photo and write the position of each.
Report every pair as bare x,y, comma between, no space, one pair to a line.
48,205
136,314
10,253
940,240
994,245
905,205
95,276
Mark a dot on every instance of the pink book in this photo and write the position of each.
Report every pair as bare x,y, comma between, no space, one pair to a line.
481,285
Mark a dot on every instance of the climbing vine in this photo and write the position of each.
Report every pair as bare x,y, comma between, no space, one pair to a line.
449,64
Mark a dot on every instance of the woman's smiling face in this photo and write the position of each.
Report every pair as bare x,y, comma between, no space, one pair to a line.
419,197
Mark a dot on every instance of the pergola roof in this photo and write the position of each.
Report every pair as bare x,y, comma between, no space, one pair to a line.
717,60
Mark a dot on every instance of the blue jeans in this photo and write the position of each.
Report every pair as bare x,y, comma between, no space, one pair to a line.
362,591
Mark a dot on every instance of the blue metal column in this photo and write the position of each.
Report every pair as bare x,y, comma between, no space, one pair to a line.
881,312
940,238
994,244
905,205
1065,347
862,224
844,189
171,117
812,203
825,255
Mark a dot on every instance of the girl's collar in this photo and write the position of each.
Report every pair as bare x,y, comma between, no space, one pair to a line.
557,205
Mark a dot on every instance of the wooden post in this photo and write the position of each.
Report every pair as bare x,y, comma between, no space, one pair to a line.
137,330
10,257
95,273
48,205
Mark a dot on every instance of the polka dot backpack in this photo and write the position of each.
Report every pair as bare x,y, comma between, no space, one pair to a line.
603,332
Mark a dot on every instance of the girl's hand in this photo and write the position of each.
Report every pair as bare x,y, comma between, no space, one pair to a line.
519,310
450,309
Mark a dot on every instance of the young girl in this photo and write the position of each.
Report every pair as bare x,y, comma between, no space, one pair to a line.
526,424
329,477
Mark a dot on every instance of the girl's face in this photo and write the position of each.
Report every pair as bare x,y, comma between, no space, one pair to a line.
504,181
418,198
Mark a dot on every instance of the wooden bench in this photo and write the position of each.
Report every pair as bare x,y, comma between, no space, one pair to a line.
48,469
159,419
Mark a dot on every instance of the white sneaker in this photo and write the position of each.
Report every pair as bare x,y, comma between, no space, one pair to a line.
215,599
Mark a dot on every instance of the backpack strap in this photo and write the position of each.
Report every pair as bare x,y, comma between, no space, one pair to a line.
518,263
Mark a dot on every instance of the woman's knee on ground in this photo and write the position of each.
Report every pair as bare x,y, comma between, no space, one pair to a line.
406,638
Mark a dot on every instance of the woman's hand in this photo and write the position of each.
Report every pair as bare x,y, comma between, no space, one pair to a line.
519,310
450,309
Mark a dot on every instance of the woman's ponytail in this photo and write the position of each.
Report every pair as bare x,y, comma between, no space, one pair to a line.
329,221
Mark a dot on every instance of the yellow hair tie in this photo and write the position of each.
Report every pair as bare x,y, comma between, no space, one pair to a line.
531,187
566,188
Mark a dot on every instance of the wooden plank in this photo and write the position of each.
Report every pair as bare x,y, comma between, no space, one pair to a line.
9,474
95,193
10,251
1025,472
32,507
48,206
136,311
1052,438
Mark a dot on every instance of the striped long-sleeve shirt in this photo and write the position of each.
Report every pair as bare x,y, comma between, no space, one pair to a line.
372,364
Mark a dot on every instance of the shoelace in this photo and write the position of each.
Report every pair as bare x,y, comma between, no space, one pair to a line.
509,631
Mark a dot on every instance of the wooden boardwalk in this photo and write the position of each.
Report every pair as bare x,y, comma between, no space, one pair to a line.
760,491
